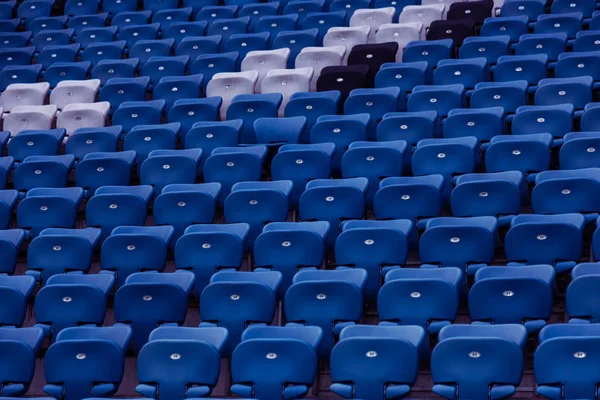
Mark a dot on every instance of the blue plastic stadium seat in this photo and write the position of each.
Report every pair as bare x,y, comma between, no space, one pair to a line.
87,36
323,21
348,6
427,297
96,52
303,7
133,113
113,206
276,23
312,106
59,37
364,361
508,95
414,126
491,48
19,74
143,139
586,40
295,351
133,33
576,64
403,75
494,194
590,117
194,46
130,249
582,292
467,72
211,13
236,300
228,27
213,63
16,292
164,167
173,88
334,200
10,239
430,51
209,135
576,91
229,165
550,44
69,300
569,23
89,140
438,98
148,299
567,344
108,69
16,56
409,197
78,7
204,249
189,111
331,300
61,53
561,192
249,108
120,90
525,153
257,203
6,166
530,68
118,6
182,205
7,9
181,30
555,119
14,39
125,18
530,9
166,17
376,103
283,247
80,22
578,150
43,23
295,41
58,251
146,49
257,10
159,67
76,71
483,123
43,172
35,143
244,43
86,361
105,169
457,365
513,27
49,207
20,348
513,295
465,243
193,374
274,132
546,239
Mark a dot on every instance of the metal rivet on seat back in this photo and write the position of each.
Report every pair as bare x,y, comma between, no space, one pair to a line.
254,202
286,244
441,155
329,198
299,161
230,164
516,152
321,296
166,166
271,356
234,297
147,298
181,204
579,354
405,197
131,247
474,354
80,356
309,107
38,171
566,191
370,158
67,299
415,295
175,356
455,239
29,143
369,242
89,141
206,246
44,208
508,293
112,206
590,150
100,169
57,248
541,237
483,194
371,354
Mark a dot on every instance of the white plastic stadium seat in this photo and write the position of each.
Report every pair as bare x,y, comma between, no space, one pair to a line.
401,34
287,82
374,18
24,118
263,61
423,14
347,37
74,92
87,115
24,94
318,58
227,85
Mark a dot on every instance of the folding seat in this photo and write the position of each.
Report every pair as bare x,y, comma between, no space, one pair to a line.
61,37
194,46
95,35
221,299
108,69
550,44
81,22
491,48
414,126
263,62
586,41
125,18
89,140
119,90
19,74
32,212
86,361
318,202
423,14
483,123
228,27
11,40
7,9
530,9
347,37
160,67
181,30
276,23
229,85
287,82
318,58
16,56
374,18
581,293
16,292
577,64
525,153
182,205
23,118
402,34
206,249
426,297
578,150
559,345
431,51
296,41
75,116
312,105
209,135
569,23
375,161
257,10
373,56
562,7
492,298
133,113
211,13
245,43
458,31
97,52
476,11
104,169
424,193
58,72
43,171
249,108
172,88
24,94
467,72
376,374
115,206
514,27
554,119
438,98
211,64
288,345
546,239
493,194
323,21
374,246
166,377
68,300
349,7
275,132
78,7
165,167
330,300
303,8
590,118
189,111
569,191
20,347
341,130
530,68
36,143
576,91
456,370
143,139
508,95
9,25
146,49
69,92
166,17
11,241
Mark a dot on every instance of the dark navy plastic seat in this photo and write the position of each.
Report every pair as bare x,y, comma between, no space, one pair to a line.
19,348
144,139
105,169
556,120
165,167
409,197
561,192
582,292
210,135
43,172
91,140
483,123
35,143
578,150
16,292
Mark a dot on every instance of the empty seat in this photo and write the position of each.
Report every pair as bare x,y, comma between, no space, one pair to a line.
194,46
24,94
458,31
439,98
323,21
212,13
525,153
578,150
483,123
312,105
189,111
104,169
263,62
229,85
296,41
374,18
71,92
530,9
530,68
514,27
158,67
181,30
430,51
45,38
119,90
287,82
556,120
20,74
146,49
414,126
76,116
402,34
76,71
209,135
318,58
276,23
88,140
580,294
249,108
131,34
376,103
11,241
245,43
86,36
409,197
476,11
43,171
373,56
576,91
108,69
228,26
348,37
16,292
463,72
20,347
424,14
569,23
211,64
6,166
560,192
343,79
274,132
165,167
134,113
36,143
551,44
